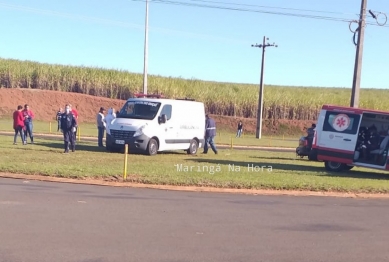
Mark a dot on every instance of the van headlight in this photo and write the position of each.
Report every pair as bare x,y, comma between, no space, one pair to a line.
139,132
108,131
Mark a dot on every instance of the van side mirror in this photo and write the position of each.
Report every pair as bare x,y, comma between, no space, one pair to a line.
162,119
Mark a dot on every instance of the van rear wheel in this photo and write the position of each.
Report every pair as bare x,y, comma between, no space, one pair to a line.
193,147
334,166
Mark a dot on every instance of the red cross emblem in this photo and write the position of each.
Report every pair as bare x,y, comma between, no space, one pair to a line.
341,122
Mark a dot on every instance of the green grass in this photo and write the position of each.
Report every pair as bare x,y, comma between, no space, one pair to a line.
223,137
281,102
280,170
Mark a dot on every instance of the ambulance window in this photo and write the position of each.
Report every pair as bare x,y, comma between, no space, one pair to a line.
167,110
341,123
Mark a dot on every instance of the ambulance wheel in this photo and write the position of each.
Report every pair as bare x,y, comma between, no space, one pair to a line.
347,167
312,156
152,147
193,146
334,166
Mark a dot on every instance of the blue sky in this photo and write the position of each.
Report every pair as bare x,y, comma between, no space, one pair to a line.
202,43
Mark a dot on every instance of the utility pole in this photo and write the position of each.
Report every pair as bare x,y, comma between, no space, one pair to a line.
260,99
146,49
354,102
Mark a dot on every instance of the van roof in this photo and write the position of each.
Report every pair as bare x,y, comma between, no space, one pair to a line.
352,109
162,100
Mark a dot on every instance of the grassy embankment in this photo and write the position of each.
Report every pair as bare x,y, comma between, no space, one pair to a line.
223,137
273,170
294,103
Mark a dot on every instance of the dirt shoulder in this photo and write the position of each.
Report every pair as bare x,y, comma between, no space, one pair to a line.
117,182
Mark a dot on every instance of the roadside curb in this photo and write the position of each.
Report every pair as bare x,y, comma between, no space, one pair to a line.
40,135
263,192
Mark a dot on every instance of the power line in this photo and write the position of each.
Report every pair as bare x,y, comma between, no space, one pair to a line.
119,23
248,10
274,7
329,18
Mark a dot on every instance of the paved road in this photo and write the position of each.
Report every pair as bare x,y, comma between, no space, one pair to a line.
46,222
237,147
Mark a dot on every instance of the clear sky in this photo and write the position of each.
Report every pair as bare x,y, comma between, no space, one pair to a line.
202,43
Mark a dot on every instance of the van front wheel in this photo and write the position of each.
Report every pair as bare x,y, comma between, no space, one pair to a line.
334,166
152,147
193,146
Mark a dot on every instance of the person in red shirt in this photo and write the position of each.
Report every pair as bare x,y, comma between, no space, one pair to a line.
19,124
28,116
74,111
75,114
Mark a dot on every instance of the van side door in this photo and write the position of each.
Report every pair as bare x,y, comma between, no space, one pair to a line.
339,135
168,128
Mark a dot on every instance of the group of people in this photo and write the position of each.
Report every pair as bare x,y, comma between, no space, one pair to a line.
68,123
369,139
103,123
22,123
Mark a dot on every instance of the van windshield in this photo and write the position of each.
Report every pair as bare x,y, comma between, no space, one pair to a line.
139,110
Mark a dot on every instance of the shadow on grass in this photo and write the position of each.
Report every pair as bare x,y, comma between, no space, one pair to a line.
292,167
79,147
280,158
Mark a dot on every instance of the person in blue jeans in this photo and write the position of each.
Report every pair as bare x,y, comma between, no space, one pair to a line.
28,117
210,133
100,126
19,124
240,129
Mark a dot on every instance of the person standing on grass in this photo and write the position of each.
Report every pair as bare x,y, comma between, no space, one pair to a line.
28,117
100,126
109,118
19,125
75,114
58,118
210,133
240,129
68,128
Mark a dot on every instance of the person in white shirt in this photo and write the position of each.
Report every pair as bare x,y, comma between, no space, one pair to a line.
109,118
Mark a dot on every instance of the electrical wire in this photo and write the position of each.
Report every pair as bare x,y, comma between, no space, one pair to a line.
120,23
170,2
273,7
245,10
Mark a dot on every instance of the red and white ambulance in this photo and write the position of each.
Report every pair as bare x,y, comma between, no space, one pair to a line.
339,141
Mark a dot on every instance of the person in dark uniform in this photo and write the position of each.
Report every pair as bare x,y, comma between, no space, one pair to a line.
58,118
373,142
68,127
311,134
210,133
240,129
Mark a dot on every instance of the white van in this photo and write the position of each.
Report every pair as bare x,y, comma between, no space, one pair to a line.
341,138
152,125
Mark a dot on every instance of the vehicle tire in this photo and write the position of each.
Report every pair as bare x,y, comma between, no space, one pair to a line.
334,166
152,147
312,156
347,167
298,151
193,147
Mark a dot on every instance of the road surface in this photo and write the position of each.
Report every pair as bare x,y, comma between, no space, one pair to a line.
47,222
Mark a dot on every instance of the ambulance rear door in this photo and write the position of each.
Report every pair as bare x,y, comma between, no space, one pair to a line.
338,136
